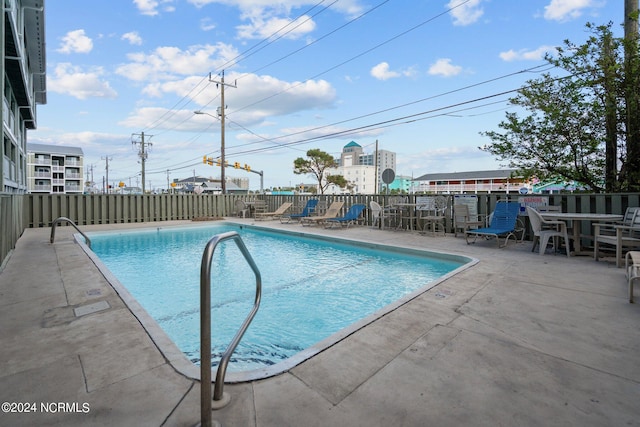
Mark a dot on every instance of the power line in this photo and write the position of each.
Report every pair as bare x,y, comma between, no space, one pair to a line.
290,145
353,58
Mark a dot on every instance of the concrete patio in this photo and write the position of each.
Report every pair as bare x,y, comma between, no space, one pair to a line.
516,340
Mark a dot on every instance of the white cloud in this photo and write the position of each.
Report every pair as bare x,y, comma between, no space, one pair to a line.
265,18
206,24
147,7
166,62
467,13
443,67
252,90
132,37
257,7
150,7
76,42
564,10
383,72
260,28
526,55
80,84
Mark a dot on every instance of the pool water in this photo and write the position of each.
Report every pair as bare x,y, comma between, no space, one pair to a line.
311,288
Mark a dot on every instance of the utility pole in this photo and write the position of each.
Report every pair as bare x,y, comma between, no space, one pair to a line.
106,168
221,84
375,160
168,187
142,153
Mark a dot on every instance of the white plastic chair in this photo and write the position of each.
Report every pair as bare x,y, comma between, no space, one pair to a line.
242,210
543,230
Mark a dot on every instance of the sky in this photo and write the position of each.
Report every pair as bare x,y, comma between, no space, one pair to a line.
422,78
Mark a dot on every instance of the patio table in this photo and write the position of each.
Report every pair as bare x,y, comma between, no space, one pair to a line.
576,218
410,210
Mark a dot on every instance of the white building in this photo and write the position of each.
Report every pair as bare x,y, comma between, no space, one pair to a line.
24,67
54,169
362,171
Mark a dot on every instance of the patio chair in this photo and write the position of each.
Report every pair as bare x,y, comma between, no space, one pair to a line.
543,230
349,218
332,212
463,220
380,215
621,236
431,214
242,210
260,216
503,224
632,264
627,220
308,209
258,207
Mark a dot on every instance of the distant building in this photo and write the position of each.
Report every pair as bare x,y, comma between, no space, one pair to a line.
361,170
471,182
207,185
403,184
23,57
54,169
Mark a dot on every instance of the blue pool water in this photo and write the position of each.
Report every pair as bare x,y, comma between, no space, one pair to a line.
312,288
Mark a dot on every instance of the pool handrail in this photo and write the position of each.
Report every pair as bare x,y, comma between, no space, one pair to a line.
205,325
63,218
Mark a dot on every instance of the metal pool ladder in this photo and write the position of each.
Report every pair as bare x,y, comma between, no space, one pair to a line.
59,220
205,327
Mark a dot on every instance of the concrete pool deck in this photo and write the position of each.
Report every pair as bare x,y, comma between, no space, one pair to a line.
517,339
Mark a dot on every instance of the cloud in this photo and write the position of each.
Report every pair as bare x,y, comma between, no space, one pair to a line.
76,42
465,14
383,72
443,67
271,18
167,62
150,7
252,90
206,24
564,10
73,81
260,28
132,37
526,55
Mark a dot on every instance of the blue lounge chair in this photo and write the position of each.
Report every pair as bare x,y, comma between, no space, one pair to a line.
308,209
503,224
349,218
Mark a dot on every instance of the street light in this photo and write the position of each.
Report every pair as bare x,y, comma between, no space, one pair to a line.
222,162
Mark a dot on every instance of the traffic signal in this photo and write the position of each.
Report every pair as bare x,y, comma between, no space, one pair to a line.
218,162
207,160
247,167
236,165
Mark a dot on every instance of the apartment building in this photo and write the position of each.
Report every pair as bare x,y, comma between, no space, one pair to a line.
488,181
54,169
363,170
23,56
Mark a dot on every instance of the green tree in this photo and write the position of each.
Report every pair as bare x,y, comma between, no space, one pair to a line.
316,165
575,127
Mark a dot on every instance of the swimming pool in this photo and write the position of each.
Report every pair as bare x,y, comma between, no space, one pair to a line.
312,287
